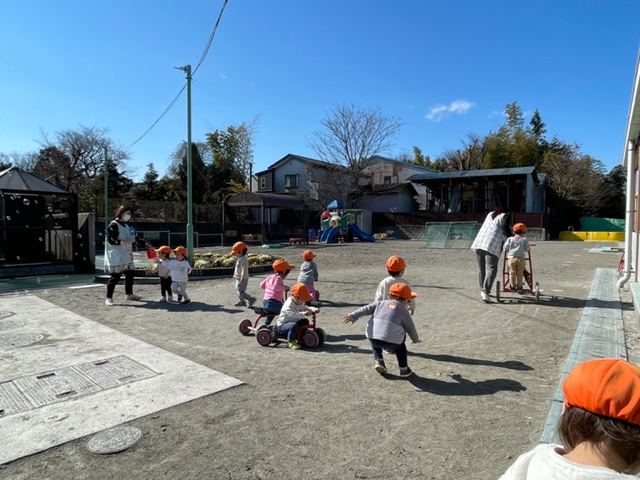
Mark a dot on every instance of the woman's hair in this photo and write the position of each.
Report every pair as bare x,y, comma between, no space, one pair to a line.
121,209
622,438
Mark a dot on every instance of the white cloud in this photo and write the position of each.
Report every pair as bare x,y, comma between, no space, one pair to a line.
439,112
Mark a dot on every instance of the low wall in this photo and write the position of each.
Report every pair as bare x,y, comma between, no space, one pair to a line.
599,236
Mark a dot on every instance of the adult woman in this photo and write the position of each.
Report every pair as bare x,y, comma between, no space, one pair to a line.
118,257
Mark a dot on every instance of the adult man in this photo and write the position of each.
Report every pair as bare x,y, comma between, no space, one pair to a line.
488,246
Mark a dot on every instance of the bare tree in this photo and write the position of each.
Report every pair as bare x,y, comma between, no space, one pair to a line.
74,157
470,157
25,161
326,182
351,136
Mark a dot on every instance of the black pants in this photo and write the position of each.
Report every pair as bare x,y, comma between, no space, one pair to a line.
115,278
165,286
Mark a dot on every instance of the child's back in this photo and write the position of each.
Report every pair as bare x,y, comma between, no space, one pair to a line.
395,268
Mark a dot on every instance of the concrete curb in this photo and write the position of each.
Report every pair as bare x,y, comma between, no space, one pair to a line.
600,334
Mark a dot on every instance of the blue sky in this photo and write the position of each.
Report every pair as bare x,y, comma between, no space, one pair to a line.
444,68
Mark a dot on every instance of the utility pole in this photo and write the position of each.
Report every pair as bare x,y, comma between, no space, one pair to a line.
106,190
187,70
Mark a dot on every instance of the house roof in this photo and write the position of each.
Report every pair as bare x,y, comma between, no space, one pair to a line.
380,158
291,156
15,179
269,200
489,172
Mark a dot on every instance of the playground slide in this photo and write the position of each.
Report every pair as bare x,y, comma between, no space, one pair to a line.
329,234
360,234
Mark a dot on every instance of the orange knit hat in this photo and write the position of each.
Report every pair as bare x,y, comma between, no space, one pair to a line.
605,386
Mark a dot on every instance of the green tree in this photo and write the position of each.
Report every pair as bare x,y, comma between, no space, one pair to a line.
178,171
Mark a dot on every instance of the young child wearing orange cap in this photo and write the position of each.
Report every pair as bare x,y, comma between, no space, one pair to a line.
516,247
293,314
275,289
164,254
599,427
309,272
180,270
241,275
395,268
388,327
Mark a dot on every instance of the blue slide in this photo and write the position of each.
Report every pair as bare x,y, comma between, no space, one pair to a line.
360,234
329,234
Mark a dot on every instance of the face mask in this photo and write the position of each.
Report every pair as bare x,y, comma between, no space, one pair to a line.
126,217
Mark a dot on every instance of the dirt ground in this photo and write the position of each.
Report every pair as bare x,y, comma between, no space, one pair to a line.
484,376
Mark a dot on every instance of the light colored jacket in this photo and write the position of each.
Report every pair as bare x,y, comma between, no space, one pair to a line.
273,287
491,235
390,321
241,272
291,312
180,269
308,272
382,292
516,246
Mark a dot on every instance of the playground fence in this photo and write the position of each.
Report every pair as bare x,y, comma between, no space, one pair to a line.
450,234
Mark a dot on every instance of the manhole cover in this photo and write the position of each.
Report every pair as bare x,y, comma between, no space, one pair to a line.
114,440
5,314
19,339
10,324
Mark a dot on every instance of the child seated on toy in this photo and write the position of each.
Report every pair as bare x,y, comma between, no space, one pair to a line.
275,289
309,272
395,268
516,248
293,313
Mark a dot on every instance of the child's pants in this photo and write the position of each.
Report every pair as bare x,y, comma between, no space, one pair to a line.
272,305
399,350
516,270
180,288
165,286
290,329
241,291
312,290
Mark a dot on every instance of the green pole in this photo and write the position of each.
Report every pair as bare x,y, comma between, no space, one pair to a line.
187,70
106,189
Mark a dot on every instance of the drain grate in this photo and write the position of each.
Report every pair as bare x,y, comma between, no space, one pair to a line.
55,386
10,324
19,339
115,371
114,440
11,400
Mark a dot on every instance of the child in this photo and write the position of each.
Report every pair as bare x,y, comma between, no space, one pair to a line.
164,254
309,272
599,427
395,268
516,247
388,326
293,313
275,289
180,270
241,274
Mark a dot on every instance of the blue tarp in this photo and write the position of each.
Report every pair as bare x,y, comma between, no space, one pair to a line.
335,204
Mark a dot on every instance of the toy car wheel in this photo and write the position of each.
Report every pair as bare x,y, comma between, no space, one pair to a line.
322,336
317,295
244,327
264,337
498,291
537,292
310,338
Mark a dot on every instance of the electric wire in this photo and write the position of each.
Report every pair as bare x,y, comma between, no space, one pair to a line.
202,57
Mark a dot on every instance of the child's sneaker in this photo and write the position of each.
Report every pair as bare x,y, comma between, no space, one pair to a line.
133,296
162,300
380,367
186,300
170,299
252,300
406,372
294,345
239,304
109,302
179,298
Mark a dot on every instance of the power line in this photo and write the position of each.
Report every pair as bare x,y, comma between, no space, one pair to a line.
202,57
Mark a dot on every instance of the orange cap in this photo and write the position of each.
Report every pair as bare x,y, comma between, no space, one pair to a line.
164,249
402,290
605,386
308,255
520,226
181,250
238,247
395,263
302,291
281,265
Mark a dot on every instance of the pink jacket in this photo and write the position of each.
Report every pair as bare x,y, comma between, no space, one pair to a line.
273,287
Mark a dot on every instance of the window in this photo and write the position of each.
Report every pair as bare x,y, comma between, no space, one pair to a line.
390,179
291,181
263,183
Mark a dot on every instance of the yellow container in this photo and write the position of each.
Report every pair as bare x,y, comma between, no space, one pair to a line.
591,236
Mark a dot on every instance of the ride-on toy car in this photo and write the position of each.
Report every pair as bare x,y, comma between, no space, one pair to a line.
246,326
310,336
530,288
